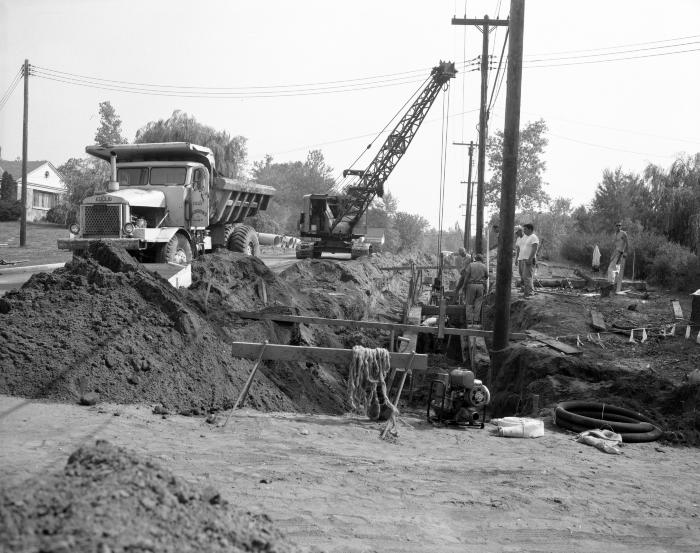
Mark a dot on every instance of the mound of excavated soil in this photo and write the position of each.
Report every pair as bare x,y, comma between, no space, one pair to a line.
108,499
106,325
646,377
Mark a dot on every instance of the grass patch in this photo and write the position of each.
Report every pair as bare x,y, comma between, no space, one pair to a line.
40,245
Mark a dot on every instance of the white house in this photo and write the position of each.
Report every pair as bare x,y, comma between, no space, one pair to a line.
44,186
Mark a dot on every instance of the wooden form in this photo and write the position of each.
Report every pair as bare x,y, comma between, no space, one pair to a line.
677,309
597,320
281,318
277,352
553,343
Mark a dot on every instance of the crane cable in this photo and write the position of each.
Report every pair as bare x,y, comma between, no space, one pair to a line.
443,165
341,183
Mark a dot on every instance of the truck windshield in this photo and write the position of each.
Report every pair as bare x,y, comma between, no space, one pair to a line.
133,176
168,175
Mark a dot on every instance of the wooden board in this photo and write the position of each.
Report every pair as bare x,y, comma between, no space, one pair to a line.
677,309
276,352
553,343
597,320
282,318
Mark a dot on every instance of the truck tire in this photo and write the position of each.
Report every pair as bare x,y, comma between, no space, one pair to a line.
244,239
177,250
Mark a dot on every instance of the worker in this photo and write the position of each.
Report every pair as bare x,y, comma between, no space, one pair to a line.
519,240
528,258
476,276
461,288
460,260
618,256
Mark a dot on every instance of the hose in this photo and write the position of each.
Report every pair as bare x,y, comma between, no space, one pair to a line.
585,415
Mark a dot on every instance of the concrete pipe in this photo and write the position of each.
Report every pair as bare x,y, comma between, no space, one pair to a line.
267,239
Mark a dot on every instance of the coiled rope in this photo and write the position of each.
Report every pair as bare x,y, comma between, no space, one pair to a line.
367,381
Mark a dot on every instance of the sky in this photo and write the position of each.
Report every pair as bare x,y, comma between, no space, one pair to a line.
617,83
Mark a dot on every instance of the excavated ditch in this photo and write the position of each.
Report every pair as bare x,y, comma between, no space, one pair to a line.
617,372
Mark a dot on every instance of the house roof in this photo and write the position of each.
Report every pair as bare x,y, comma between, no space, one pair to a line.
15,167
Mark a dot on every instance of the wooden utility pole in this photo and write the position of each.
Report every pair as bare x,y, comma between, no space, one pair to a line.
23,218
511,139
468,214
486,25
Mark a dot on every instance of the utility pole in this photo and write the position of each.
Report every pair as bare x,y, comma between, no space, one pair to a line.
511,139
23,218
468,215
486,25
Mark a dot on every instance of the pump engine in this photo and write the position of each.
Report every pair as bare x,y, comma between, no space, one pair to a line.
458,398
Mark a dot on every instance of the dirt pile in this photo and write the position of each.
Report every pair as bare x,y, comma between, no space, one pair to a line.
108,499
649,376
106,325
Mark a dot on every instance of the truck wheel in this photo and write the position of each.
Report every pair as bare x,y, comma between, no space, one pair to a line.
244,239
177,250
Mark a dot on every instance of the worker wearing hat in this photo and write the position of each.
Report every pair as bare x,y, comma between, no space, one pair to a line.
519,241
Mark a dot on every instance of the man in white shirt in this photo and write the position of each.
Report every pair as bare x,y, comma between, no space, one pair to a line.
528,258
519,239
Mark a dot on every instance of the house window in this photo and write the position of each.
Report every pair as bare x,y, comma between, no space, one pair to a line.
44,200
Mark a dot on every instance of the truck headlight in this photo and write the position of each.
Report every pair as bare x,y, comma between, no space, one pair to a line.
128,228
74,228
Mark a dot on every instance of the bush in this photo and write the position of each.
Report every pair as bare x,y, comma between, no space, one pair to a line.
62,214
654,258
10,211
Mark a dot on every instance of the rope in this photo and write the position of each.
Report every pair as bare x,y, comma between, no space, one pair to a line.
369,369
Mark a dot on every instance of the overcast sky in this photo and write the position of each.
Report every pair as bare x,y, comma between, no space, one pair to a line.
616,82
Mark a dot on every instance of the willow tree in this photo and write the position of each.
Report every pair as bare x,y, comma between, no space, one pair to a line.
673,208
229,151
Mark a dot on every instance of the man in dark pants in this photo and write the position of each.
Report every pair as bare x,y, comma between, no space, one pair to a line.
618,257
475,276
528,256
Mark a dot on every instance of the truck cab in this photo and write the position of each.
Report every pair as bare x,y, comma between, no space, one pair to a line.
166,203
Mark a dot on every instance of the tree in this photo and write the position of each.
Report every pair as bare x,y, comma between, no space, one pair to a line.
8,188
410,228
530,193
292,180
10,206
619,196
229,151
672,206
82,177
110,129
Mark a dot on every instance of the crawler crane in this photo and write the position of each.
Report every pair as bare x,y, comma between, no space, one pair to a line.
328,221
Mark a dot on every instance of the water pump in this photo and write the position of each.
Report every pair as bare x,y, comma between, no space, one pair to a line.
458,398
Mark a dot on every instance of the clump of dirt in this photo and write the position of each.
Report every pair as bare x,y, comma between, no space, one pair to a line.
647,377
106,326
110,499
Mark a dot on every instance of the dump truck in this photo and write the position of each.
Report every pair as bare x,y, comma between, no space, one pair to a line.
166,203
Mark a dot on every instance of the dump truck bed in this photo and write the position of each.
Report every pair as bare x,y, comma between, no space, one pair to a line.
232,200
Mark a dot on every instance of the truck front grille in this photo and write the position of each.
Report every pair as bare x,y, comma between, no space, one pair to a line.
102,220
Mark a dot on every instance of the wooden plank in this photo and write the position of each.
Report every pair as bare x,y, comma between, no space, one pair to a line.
277,352
553,343
597,320
677,309
441,318
282,318
407,267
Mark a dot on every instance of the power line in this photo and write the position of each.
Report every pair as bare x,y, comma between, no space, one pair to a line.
606,147
10,89
612,59
631,51
617,47
495,80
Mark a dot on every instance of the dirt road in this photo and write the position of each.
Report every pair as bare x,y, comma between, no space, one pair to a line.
330,483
